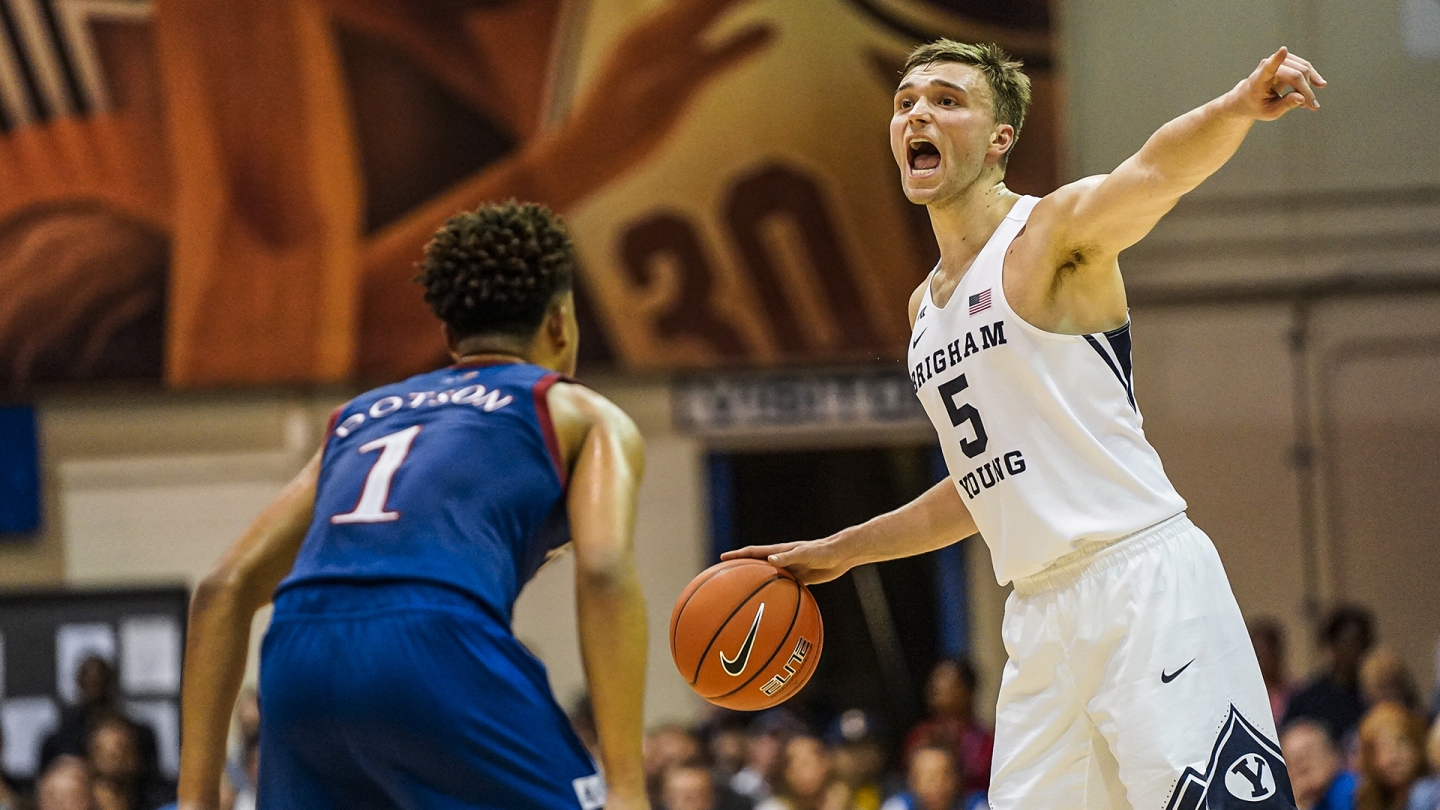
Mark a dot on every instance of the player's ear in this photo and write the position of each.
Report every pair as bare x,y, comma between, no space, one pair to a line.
1002,139
556,320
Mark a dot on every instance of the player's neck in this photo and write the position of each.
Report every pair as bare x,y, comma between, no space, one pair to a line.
491,351
963,225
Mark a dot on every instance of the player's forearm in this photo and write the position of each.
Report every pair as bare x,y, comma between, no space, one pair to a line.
613,644
216,645
1181,154
934,520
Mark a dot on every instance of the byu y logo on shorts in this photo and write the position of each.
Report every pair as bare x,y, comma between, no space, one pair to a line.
1245,772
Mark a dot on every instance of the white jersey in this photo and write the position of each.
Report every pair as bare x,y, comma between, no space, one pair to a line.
1040,431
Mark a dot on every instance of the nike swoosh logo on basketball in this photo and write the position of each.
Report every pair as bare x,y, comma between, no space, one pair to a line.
916,342
1166,678
734,666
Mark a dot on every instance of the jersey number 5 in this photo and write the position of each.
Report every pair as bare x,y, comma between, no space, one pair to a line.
960,414
371,507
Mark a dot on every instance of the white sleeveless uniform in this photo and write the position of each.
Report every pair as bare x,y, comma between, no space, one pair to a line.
1131,680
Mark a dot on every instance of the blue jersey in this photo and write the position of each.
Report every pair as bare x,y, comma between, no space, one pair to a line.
452,477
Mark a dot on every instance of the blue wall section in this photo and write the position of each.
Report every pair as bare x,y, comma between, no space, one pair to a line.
722,504
19,471
952,589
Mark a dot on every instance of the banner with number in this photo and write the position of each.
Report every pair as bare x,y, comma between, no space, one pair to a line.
216,193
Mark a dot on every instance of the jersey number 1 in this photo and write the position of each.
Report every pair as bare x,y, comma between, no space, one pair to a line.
959,415
371,507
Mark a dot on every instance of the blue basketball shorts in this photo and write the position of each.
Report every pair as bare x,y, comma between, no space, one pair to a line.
411,696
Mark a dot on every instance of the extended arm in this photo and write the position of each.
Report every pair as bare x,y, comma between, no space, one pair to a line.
1101,216
219,634
611,608
934,520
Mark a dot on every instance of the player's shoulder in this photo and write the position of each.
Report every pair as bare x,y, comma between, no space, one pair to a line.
1062,203
577,402
576,410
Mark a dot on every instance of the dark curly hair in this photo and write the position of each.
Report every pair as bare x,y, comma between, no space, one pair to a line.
495,270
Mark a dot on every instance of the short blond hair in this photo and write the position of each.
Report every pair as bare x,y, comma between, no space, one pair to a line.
1009,88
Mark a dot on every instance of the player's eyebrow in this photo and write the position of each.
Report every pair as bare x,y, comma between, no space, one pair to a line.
909,85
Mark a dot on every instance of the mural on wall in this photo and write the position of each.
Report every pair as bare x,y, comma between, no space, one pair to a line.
217,193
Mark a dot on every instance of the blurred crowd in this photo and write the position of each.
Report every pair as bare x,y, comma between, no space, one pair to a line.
776,760
98,758
1357,734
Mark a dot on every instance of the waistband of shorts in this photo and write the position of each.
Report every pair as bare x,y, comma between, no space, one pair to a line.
333,598
1091,558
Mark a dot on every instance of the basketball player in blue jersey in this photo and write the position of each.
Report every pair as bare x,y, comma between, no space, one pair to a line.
1131,682
389,677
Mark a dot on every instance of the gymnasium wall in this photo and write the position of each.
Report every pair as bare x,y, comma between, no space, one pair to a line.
1325,225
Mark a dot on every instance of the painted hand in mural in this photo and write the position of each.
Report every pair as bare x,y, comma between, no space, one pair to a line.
1282,82
647,83
70,280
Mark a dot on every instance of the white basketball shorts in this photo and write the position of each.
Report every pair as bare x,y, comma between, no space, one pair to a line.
1132,684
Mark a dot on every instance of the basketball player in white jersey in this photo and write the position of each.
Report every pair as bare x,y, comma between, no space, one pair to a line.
1131,680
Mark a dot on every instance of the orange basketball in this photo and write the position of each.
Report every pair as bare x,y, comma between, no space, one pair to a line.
746,635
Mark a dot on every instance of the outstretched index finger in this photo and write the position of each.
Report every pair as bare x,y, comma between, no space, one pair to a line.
1272,65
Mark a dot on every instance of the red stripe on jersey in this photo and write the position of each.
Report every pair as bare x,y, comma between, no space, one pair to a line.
547,425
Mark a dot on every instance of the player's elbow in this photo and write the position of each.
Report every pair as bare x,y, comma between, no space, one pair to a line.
229,586
220,587
604,569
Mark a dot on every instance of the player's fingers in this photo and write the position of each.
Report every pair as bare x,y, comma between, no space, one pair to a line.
696,15
1270,66
1306,69
737,48
794,557
757,552
1296,80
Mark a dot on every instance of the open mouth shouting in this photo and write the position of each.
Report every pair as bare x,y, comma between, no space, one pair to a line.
923,157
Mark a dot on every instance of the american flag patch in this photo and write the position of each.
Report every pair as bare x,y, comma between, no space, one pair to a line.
979,302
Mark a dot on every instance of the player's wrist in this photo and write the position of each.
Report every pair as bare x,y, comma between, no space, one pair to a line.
849,548
1233,104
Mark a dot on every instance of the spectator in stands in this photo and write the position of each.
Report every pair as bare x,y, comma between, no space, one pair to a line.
669,746
1392,759
64,785
242,796
1425,793
665,746
764,741
247,723
689,785
950,698
855,745
95,684
582,718
724,735
1268,639
806,779
10,789
1333,696
1434,710
121,781
933,783
1314,762
1385,677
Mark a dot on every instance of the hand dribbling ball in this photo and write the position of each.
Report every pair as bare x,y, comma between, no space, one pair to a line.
746,635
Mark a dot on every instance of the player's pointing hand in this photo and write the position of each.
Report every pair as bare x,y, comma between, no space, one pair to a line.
1281,83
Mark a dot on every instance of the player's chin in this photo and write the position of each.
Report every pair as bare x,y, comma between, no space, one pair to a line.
923,192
